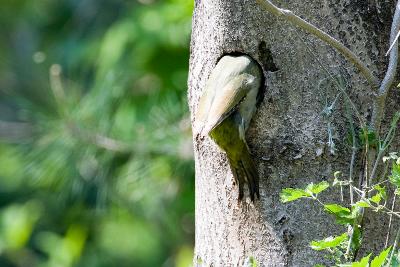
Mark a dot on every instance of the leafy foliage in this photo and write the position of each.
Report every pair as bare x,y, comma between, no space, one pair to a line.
341,247
96,164
381,258
329,242
395,177
311,191
343,215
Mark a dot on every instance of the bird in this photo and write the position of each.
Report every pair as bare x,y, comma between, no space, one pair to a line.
225,110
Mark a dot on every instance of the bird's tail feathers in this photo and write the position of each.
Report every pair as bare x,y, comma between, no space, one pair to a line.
244,171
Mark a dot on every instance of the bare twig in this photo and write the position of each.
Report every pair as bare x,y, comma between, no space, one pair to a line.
347,53
100,140
393,43
379,207
379,103
385,145
372,188
390,221
353,152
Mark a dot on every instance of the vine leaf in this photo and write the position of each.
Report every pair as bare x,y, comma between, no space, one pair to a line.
363,263
379,260
329,242
291,194
317,188
377,198
363,204
395,177
382,191
342,214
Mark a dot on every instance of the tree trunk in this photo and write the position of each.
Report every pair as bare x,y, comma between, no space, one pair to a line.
289,134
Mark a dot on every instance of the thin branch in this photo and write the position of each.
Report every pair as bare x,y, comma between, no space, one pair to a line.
336,83
383,174
353,154
393,43
385,145
297,21
372,188
379,207
100,140
396,242
379,104
390,221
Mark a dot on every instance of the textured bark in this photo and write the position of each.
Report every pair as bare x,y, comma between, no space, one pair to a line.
288,135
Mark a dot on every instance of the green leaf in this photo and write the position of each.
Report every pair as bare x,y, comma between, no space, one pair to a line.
336,209
382,191
291,194
379,260
363,263
343,215
363,204
368,136
357,238
395,262
395,177
317,188
328,242
376,199
252,262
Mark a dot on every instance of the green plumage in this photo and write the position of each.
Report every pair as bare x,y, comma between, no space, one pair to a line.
225,111
227,137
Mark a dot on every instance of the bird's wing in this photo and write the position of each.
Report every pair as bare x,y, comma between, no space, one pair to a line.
226,100
228,84
204,106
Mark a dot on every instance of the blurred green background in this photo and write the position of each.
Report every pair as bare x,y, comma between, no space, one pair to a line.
96,165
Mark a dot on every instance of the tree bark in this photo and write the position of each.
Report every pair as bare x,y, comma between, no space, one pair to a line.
289,134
